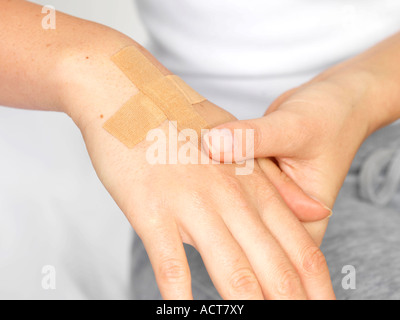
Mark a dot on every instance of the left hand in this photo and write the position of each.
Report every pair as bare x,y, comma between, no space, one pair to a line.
313,133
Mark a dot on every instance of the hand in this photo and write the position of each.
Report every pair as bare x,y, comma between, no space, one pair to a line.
239,224
312,133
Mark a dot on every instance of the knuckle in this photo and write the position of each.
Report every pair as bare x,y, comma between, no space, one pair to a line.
313,261
157,204
243,283
236,192
289,285
258,136
233,184
199,202
173,271
269,197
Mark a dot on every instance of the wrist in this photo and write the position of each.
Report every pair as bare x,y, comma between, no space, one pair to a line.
363,92
91,87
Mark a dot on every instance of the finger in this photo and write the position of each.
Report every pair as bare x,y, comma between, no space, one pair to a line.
226,263
304,253
302,205
277,276
165,249
278,134
317,230
275,272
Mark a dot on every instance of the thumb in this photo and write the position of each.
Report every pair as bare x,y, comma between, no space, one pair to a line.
279,134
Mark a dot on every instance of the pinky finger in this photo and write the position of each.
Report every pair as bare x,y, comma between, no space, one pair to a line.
303,206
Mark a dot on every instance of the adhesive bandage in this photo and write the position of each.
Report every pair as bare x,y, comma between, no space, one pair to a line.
161,97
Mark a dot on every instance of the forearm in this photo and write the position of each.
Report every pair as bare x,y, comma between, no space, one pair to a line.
34,62
373,80
67,69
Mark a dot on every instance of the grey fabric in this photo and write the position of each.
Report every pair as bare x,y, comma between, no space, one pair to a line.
371,186
363,232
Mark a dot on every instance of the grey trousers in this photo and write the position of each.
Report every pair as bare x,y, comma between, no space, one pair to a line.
363,232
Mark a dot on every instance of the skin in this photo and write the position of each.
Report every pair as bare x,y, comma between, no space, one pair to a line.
239,224
314,131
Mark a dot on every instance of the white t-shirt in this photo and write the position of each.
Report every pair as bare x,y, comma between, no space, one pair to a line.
243,54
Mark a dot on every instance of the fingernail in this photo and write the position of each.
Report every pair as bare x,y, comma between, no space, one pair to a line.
206,143
322,204
219,143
